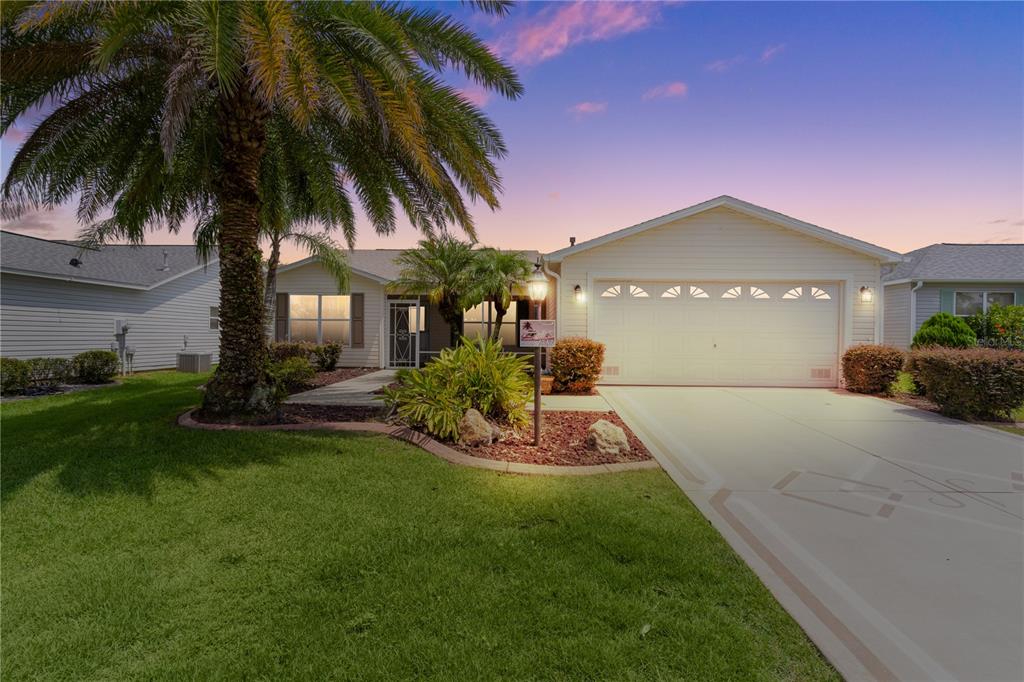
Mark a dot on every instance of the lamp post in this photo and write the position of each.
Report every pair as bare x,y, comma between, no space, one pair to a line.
538,288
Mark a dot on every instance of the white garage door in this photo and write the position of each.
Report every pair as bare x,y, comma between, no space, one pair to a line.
718,334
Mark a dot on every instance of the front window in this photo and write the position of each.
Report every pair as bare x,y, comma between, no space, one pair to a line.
320,319
478,322
972,302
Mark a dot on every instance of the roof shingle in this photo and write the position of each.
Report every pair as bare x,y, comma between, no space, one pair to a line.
962,262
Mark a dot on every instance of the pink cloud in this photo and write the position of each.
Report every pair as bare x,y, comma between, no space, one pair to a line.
723,65
772,51
586,108
557,28
674,89
15,135
476,95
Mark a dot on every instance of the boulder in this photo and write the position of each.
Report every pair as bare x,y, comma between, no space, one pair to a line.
474,429
607,438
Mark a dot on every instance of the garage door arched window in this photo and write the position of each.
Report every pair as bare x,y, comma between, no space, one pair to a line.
611,292
758,293
637,292
672,292
697,292
733,292
792,294
820,294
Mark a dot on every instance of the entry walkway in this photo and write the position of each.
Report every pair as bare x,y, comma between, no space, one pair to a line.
358,392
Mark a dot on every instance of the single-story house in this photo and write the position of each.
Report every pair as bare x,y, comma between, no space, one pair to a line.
721,293
961,279
58,299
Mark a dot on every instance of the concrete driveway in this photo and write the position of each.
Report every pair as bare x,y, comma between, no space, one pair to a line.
893,536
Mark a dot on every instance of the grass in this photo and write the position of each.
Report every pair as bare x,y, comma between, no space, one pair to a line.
905,384
136,549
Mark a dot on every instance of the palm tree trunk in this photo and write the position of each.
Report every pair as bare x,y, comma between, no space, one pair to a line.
270,292
499,315
241,385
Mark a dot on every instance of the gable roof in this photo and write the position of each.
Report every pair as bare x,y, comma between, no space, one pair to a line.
377,264
724,201
961,263
115,265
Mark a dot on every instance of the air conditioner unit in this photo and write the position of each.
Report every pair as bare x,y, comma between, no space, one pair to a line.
194,363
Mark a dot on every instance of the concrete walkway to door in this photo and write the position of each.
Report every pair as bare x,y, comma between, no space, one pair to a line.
894,536
357,392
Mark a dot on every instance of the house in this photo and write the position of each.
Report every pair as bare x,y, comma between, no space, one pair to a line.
961,279
58,299
376,326
720,293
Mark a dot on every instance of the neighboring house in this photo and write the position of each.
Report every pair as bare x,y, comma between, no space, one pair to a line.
961,279
721,293
375,326
58,299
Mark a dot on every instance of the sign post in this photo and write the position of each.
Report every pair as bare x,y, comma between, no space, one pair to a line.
536,334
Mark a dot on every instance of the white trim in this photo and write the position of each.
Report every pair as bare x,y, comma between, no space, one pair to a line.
312,259
885,255
107,282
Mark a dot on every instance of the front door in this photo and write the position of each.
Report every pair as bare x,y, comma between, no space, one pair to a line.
403,334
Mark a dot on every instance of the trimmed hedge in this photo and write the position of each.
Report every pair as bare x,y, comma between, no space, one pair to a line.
948,331
869,368
49,373
974,383
292,374
282,350
96,366
576,365
325,357
14,377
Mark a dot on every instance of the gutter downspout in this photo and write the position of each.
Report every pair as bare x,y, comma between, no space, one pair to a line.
558,302
913,308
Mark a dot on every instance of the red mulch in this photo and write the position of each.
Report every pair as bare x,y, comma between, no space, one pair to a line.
563,441
305,414
340,374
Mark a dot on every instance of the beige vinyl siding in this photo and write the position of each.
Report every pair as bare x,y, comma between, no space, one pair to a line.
54,318
313,279
897,315
723,243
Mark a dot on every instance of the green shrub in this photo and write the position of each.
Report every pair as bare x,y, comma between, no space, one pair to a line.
49,373
14,376
973,383
868,368
96,366
1001,326
292,374
476,374
325,357
282,350
576,365
943,329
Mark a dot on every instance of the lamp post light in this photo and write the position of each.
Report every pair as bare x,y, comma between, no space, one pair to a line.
538,288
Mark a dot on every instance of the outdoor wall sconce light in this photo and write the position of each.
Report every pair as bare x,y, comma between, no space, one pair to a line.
578,295
866,294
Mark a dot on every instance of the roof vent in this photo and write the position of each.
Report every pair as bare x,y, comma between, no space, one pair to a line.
165,267
75,263
572,241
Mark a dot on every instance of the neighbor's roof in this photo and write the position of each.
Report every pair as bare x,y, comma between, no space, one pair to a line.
885,255
379,264
962,262
118,265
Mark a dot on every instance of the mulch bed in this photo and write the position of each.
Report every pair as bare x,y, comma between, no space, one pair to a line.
340,374
563,442
306,414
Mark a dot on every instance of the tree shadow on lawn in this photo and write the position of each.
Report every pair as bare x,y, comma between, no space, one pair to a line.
125,438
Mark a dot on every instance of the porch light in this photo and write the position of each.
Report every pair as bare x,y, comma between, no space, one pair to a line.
577,294
537,285
866,294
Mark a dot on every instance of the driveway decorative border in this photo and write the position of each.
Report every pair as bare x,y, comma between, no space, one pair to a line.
430,445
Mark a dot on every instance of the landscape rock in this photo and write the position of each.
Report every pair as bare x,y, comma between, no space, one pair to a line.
607,438
474,429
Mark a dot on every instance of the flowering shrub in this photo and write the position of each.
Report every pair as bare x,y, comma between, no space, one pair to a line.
974,383
1002,326
576,365
869,368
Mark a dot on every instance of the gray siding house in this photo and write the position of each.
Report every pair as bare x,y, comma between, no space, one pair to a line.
961,279
58,299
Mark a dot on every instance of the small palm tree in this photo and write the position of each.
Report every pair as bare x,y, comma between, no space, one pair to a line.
495,274
163,111
442,269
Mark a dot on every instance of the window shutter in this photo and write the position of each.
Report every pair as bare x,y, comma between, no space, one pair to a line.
357,320
946,300
281,318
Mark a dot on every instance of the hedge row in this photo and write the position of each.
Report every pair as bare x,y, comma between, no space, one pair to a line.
90,367
576,365
323,357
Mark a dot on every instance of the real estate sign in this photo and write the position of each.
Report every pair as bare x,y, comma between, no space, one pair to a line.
536,333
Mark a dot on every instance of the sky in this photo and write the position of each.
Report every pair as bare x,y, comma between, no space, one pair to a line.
901,124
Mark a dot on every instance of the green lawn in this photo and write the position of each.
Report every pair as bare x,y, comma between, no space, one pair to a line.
135,549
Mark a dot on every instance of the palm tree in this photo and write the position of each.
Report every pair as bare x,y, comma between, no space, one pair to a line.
159,112
495,274
441,268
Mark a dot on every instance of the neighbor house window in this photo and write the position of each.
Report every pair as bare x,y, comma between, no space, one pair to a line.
478,322
320,319
214,317
970,302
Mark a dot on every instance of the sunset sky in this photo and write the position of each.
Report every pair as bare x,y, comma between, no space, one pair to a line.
900,124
